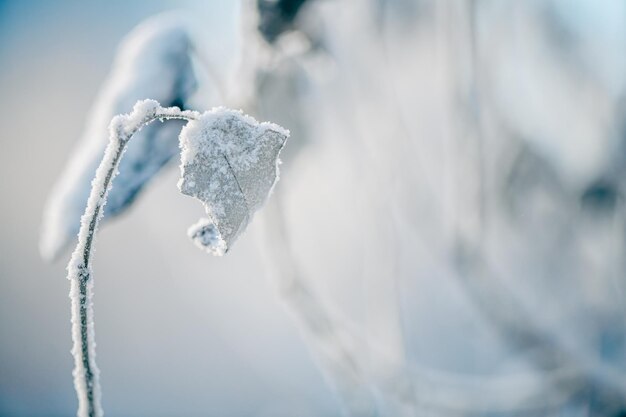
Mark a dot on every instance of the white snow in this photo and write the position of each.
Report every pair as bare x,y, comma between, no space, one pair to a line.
206,133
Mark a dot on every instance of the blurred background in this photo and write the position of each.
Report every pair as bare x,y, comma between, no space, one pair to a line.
447,238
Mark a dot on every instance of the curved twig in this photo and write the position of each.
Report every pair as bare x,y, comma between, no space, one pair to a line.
122,128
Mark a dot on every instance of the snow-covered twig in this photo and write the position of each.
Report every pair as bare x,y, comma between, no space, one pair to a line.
122,128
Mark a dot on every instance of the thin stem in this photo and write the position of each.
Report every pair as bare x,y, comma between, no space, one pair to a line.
86,373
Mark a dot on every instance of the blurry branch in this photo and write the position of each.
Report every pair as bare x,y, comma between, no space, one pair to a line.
487,290
337,350
346,359
154,60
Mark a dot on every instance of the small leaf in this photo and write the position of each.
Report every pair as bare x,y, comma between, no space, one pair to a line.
229,161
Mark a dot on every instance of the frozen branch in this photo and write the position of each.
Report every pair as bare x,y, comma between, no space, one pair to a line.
122,128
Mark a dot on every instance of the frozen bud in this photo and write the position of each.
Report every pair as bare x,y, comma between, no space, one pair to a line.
205,235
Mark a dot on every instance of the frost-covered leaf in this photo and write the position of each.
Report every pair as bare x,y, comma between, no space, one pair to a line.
229,161
155,62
